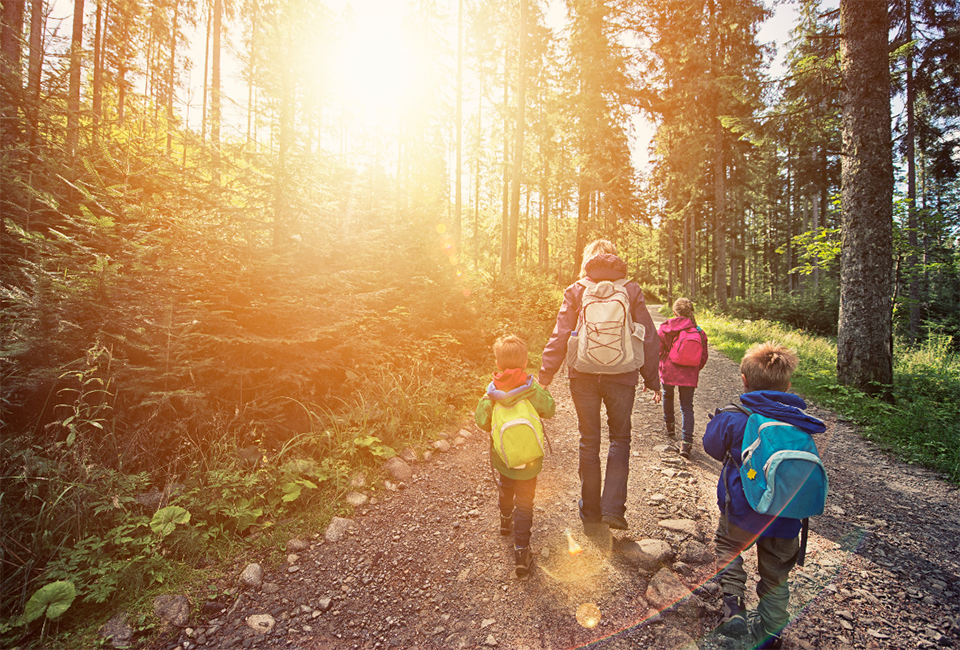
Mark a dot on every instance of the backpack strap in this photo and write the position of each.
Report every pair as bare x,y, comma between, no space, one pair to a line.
804,533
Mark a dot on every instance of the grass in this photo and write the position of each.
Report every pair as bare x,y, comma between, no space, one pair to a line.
921,426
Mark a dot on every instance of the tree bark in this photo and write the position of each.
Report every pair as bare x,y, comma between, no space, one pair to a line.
73,98
864,342
514,230
215,91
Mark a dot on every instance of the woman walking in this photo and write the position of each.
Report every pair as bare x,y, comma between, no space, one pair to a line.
602,500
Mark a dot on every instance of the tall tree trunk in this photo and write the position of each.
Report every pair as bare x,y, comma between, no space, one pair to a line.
98,71
73,97
518,143
280,225
458,207
215,91
864,341
505,212
914,277
38,24
171,74
719,169
11,35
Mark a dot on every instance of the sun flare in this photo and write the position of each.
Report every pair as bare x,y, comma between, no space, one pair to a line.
378,61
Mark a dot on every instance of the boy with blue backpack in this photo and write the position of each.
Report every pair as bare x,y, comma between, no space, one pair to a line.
511,411
772,480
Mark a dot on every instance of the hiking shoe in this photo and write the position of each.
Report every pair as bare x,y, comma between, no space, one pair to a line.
733,621
616,523
685,448
763,639
506,524
522,559
671,429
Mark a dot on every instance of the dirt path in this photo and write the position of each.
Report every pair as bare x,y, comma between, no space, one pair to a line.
424,566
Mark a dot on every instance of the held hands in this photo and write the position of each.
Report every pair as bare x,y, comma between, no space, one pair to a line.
656,397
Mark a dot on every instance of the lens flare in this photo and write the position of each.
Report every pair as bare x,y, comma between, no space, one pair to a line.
441,228
588,615
575,549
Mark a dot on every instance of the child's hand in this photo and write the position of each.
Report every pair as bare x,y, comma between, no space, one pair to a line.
657,396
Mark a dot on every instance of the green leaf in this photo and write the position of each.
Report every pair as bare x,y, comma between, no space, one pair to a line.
52,599
166,519
291,491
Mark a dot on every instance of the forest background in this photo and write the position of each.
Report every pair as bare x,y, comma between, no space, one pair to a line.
208,323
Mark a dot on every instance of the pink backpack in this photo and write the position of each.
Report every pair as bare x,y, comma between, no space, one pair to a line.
687,350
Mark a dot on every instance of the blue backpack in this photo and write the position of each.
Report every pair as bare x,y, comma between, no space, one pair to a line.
780,469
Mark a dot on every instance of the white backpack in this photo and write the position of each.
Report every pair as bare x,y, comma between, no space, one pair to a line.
606,341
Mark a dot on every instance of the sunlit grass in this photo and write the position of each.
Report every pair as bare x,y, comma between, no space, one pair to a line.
920,426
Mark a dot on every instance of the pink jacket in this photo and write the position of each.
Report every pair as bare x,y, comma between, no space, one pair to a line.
671,374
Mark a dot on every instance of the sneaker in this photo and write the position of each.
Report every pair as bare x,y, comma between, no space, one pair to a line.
671,429
733,621
506,524
616,523
522,559
685,448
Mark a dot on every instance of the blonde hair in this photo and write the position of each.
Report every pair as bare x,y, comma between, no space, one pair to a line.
769,366
594,248
683,308
510,352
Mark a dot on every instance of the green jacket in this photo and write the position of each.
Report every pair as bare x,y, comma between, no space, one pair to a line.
540,399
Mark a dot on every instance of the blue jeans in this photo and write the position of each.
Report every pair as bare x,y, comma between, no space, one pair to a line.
588,394
517,497
686,409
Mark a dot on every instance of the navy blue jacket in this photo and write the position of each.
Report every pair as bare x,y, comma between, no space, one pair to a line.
725,433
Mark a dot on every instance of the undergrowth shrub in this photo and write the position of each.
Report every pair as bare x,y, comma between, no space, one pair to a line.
815,313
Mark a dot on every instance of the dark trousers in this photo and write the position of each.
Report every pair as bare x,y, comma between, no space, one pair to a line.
776,557
517,497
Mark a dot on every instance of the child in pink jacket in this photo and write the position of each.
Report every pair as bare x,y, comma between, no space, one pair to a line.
674,372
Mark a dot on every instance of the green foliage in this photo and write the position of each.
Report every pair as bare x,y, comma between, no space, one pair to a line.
51,600
817,313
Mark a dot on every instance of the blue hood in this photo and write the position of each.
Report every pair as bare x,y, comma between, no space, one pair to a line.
512,396
785,407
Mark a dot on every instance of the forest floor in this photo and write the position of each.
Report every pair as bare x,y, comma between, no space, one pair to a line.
424,566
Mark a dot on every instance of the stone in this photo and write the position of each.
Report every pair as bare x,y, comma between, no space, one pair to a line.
359,480
271,588
252,576
666,590
356,499
261,623
409,455
296,545
693,552
324,604
442,446
673,639
172,610
463,433
684,526
337,528
648,554
117,632
398,469
491,641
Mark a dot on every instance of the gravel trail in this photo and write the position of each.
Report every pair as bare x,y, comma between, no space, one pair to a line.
423,566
